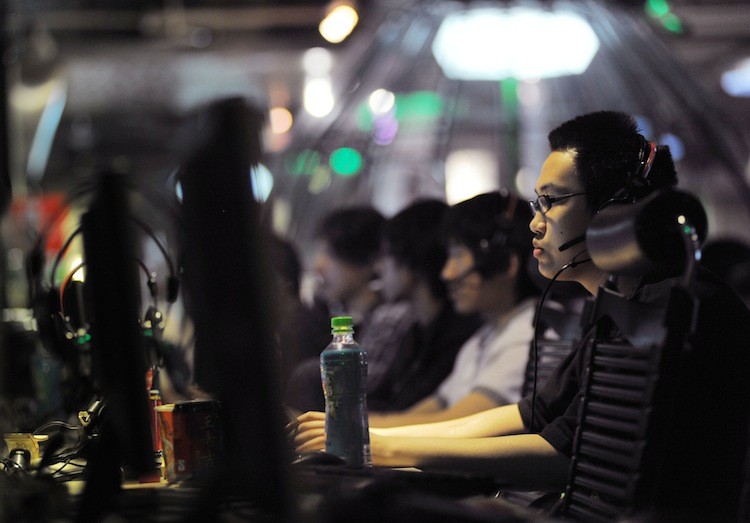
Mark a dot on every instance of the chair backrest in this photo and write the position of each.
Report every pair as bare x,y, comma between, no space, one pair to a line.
629,392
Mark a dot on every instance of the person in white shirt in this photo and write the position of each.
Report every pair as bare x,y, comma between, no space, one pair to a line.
488,244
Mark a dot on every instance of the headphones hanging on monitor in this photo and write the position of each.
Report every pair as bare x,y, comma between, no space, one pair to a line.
54,325
152,323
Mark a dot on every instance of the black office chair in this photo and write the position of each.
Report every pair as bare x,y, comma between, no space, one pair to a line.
640,449
627,407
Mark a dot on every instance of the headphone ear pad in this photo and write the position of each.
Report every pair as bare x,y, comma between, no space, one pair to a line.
492,255
46,311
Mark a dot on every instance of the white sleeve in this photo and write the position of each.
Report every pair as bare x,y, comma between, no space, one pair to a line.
503,366
460,381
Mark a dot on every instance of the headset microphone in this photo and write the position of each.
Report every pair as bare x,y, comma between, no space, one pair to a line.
575,241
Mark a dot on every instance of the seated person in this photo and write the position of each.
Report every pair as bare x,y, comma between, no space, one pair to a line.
346,252
485,270
301,330
413,254
596,158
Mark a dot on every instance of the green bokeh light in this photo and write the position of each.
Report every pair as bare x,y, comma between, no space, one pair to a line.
345,161
671,23
657,8
418,105
409,107
304,163
660,10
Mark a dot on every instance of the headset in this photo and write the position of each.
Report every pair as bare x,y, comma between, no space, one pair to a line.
51,304
491,255
636,180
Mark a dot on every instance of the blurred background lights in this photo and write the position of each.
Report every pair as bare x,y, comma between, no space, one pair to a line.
261,182
525,181
469,172
340,20
660,11
304,163
280,120
381,101
385,129
75,264
736,82
676,146
345,161
494,44
318,97
317,61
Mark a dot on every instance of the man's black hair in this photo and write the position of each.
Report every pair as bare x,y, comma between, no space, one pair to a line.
606,147
414,238
353,234
494,226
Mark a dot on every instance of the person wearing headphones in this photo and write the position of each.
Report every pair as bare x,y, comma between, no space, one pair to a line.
488,245
595,159
411,261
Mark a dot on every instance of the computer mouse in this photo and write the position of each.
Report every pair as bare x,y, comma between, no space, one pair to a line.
318,458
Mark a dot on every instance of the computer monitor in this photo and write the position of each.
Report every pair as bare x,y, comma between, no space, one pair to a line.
227,285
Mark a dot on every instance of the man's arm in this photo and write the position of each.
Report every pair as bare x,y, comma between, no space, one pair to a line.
499,421
521,461
308,431
431,410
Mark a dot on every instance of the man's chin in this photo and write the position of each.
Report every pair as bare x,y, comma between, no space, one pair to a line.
544,271
464,309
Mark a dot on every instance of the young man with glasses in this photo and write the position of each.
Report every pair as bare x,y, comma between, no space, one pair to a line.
596,159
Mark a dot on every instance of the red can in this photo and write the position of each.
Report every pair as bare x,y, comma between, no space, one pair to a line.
191,437
154,400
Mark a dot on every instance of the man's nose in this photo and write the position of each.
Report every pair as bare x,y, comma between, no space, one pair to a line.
537,224
449,271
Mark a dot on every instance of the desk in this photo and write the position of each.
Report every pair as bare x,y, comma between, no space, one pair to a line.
336,493
320,494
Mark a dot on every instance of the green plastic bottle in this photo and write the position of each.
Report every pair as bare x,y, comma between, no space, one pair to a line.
343,371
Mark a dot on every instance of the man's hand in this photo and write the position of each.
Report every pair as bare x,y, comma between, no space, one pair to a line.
308,432
382,452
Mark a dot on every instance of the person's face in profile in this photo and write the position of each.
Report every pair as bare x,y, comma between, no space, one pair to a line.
337,280
463,281
396,279
565,220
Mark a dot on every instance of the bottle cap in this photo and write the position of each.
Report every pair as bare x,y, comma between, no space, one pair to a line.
341,322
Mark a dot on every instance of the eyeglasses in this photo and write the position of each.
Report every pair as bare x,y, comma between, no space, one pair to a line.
544,202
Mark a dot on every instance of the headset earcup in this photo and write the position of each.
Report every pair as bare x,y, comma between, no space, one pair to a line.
46,312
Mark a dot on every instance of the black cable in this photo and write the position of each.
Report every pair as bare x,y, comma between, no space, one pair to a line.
56,423
569,265
9,463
